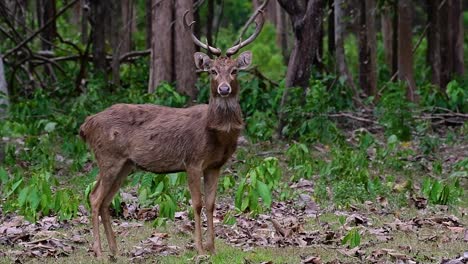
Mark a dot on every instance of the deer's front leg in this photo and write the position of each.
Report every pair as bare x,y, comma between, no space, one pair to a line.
210,178
194,178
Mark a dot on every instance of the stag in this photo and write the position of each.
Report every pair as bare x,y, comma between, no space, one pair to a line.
198,140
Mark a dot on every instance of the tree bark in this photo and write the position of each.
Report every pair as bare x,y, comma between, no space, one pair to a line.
128,25
4,101
457,36
209,22
98,17
85,11
161,44
282,32
184,67
367,48
341,65
433,41
387,36
149,21
46,11
306,18
331,28
117,40
395,38
405,53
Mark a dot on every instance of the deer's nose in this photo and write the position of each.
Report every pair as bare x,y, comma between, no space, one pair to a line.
224,89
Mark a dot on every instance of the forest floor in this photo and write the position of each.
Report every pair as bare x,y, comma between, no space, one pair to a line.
408,235
295,230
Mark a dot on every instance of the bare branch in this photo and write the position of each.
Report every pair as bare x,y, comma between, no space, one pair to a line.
28,39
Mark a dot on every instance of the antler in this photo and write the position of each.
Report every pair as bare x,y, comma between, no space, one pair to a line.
214,51
258,28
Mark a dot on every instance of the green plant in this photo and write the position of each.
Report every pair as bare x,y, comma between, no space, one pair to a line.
442,192
300,161
352,238
37,196
164,190
394,112
258,183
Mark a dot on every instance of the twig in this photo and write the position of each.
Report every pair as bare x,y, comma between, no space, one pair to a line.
278,227
350,116
257,73
24,42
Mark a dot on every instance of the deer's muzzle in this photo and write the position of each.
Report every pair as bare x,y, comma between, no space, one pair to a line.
224,89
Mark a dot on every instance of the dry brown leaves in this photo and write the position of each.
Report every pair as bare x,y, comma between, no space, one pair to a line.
37,239
154,245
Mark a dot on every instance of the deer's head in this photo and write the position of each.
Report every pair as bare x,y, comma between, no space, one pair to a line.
223,69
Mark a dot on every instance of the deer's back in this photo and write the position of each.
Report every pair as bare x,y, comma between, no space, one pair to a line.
156,138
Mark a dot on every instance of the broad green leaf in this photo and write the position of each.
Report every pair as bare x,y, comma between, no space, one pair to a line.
3,176
265,193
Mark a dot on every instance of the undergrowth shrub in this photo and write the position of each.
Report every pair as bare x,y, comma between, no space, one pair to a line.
394,112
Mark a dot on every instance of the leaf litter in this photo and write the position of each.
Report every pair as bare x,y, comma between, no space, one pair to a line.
283,226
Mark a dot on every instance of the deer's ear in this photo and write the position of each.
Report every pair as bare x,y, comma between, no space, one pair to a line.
244,60
202,61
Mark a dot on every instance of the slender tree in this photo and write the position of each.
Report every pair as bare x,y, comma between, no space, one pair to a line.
306,18
433,41
331,28
184,68
456,22
405,52
340,60
367,47
117,39
99,9
282,32
172,48
161,44
387,34
4,102
46,11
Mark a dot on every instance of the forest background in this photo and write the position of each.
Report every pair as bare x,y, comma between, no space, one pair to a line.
356,112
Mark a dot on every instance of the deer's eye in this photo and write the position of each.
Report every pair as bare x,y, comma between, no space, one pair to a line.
234,72
214,72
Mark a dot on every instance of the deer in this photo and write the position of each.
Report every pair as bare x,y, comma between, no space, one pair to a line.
198,140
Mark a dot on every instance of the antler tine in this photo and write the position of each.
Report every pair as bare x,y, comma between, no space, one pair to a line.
214,51
258,28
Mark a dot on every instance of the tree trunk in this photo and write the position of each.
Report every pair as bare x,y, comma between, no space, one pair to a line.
46,11
84,20
4,102
405,53
387,36
184,67
395,38
209,22
367,48
340,64
433,41
117,39
149,20
128,26
161,44
282,32
98,17
457,36
331,28
306,18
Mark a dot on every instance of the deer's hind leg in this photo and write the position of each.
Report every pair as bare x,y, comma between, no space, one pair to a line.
105,214
109,172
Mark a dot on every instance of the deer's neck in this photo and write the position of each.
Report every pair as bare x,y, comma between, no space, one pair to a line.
224,114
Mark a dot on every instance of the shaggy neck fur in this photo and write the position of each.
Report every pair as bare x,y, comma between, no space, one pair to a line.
224,114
